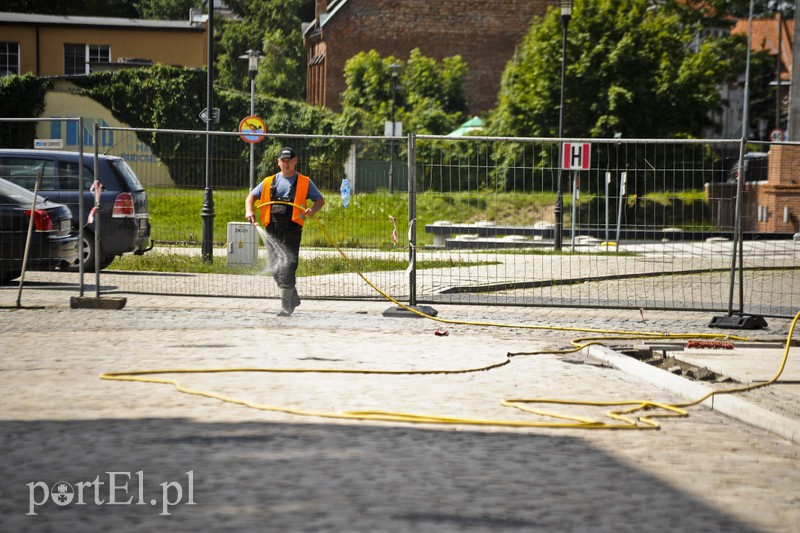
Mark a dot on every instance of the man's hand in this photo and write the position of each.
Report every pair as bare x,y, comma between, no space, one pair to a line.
249,209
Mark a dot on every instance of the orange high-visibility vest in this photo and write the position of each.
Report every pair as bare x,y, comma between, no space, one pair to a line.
300,193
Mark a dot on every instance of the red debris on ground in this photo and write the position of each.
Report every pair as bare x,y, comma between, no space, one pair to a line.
714,345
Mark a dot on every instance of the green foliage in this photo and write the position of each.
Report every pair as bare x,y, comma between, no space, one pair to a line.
741,8
170,97
174,214
155,97
21,96
158,261
166,9
89,8
273,29
429,97
633,70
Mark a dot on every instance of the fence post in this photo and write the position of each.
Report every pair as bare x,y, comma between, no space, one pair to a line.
412,219
86,302
82,204
738,245
207,212
741,321
97,223
412,310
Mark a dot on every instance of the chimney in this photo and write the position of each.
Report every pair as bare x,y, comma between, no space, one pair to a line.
321,7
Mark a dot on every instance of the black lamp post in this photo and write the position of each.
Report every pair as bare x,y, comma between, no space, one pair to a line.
207,213
395,68
252,57
558,211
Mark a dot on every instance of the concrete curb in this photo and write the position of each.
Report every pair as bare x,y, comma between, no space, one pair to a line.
729,405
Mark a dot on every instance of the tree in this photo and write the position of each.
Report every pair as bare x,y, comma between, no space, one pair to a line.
635,69
274,29
89,8
169,97
21,96
167,9
741,8
429,100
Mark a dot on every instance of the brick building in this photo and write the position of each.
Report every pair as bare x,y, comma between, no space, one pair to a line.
771,206
483,33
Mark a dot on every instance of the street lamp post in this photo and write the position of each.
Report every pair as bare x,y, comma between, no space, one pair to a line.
207,212
252,57
395,68
558,211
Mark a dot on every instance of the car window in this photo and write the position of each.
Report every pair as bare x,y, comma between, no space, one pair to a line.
23,171
127,174
68,176
17,193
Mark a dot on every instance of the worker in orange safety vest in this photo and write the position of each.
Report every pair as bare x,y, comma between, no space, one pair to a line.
284,223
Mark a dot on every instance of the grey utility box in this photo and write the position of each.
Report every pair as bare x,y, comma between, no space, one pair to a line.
242,243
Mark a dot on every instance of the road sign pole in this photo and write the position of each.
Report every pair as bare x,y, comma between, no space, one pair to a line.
574,209
252,145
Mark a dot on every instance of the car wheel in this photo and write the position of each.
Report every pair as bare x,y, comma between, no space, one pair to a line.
88,254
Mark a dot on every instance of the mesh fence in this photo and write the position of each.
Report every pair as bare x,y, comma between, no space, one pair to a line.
643,224
646,223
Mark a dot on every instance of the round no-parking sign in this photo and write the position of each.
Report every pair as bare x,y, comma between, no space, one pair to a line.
776,135
252,129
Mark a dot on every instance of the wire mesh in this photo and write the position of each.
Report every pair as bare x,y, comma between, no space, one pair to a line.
646,223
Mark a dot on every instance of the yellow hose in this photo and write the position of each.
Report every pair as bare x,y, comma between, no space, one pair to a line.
623,416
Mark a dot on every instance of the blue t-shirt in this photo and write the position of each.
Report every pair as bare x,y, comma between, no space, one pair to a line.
283,187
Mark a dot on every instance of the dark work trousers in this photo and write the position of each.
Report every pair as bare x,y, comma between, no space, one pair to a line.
283,247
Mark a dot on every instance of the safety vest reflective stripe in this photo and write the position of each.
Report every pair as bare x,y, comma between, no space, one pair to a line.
300,194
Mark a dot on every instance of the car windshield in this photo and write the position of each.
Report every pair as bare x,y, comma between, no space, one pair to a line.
20,194
127,174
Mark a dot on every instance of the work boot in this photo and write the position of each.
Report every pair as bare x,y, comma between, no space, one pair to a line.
295,298
287,302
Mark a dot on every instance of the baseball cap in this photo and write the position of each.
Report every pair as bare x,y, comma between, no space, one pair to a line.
286,153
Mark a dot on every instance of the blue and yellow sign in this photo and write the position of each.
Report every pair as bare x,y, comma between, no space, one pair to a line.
252,129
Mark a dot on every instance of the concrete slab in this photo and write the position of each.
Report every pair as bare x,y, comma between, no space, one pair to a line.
745,365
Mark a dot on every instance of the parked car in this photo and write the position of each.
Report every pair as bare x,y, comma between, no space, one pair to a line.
53,239
756,167
124,212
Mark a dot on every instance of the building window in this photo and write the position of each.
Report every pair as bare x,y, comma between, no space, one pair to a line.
9,58
98,53
77,57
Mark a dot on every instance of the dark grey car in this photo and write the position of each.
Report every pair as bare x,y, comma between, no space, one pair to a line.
124,212
53,241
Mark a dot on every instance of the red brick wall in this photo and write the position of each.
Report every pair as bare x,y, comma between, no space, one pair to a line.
483,33
781,191
763,203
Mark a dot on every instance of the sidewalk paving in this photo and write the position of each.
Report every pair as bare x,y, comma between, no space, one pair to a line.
272,471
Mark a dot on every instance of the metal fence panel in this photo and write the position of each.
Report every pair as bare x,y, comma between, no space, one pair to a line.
640,230
176,181
646,224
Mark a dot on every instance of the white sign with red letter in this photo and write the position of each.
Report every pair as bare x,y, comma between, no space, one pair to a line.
575,156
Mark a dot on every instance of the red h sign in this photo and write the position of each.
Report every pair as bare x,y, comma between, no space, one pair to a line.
575,156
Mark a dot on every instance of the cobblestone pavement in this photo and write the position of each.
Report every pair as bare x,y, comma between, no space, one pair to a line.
227,467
